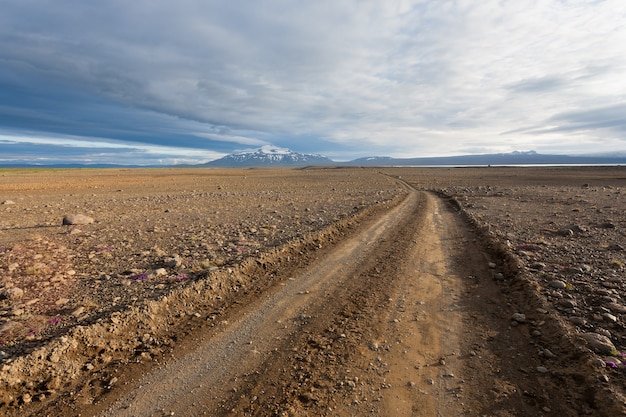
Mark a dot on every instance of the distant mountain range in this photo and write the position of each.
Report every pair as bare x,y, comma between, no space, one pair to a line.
270,156
513,158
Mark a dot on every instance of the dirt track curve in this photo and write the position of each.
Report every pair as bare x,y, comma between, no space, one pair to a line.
401,318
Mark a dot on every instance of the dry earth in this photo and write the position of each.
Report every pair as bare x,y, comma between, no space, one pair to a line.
398,291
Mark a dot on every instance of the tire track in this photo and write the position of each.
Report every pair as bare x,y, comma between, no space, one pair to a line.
195,383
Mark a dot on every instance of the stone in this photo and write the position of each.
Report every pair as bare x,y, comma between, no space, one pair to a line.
13,293
77,219
519,317
557,284
567,303
609,317
599,343
8,326
17,311
174,262
538,266
161,272
616,307
578,321
603,332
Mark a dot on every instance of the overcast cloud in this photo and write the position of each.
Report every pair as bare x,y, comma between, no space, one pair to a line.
191,80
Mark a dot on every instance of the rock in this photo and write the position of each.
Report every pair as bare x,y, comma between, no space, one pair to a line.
161,272
578,321
8,202
612,362
174,262
557,284
577,229
8,326
542,369
537,266
598,363
519,317
12,293
609,317
599,343
616,307
77,219
607,225
17,311
567,303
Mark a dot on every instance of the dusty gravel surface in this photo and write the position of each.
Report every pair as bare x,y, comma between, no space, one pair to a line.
484,291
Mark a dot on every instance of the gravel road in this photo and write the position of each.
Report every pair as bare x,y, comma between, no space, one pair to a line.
397,300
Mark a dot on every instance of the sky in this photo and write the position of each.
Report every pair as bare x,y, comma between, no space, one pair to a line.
188,81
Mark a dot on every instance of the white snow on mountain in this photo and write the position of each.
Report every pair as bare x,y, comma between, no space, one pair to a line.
269,155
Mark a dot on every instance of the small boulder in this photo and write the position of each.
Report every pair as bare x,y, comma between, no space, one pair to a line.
519,317
77,219
557,284
617,307
174,261
161,272
12,293
599,343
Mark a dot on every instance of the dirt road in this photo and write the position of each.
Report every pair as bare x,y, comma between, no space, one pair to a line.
403,317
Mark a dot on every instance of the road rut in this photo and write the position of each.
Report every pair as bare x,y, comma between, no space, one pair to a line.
402,317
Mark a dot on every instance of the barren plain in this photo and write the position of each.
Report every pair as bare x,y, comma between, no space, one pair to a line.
334,291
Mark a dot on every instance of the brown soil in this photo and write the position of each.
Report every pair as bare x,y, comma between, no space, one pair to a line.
313,292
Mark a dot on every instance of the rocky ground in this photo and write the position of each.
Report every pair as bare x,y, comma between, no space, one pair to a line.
145,233
80,297
567,228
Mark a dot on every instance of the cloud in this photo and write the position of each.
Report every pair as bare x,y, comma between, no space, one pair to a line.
538,85
404,78
57,150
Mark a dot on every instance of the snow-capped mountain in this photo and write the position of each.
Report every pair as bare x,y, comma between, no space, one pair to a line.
270,156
